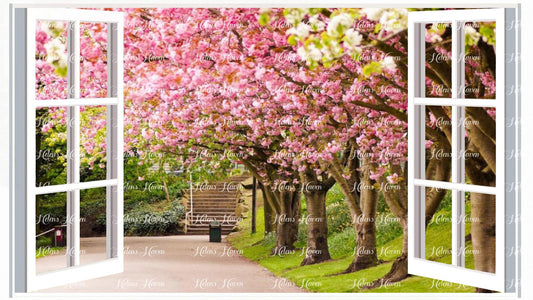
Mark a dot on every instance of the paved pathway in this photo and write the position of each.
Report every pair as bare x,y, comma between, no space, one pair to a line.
176,264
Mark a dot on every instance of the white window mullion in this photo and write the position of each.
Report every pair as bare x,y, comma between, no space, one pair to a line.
59,188
114,236
75,102
73,145
420,111
455,102
458,196
456,186
119,118
420,129
461,115
416,132
110,144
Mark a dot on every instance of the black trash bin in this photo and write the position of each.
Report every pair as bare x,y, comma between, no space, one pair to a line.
215,232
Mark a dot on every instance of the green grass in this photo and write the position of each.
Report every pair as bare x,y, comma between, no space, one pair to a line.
324,277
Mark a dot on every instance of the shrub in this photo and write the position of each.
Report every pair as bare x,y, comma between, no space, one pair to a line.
175,190
338,217
145,222
43,241
302,232
269,240
334,195
383,207
387,229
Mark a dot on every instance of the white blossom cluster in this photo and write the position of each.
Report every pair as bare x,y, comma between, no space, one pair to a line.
344,37
392,20
56,49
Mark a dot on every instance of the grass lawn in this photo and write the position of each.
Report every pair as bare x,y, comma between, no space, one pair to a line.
321,277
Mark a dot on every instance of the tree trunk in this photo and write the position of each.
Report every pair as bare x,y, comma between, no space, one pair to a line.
165,188
268,211
483,233
482,206
398,270
396,199
365,225
365,250
362,209
270,202
287,221
317,229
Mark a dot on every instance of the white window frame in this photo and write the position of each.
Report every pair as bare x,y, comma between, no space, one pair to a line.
26,280
505,103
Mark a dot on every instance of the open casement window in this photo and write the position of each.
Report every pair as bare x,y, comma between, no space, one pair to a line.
66,183
462,112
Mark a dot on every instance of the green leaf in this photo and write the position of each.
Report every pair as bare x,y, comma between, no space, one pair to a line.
372,68
264,19
377,28
292,40
487,31
469,41
62,71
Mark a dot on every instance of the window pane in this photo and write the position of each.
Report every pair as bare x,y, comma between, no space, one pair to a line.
93,146
480,146
438,60
93,60
51,146
439,226
480,60
51,60
50,220
92,225
480,232
438,162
